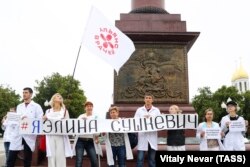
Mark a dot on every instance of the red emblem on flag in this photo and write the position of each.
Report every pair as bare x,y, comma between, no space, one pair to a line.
107,41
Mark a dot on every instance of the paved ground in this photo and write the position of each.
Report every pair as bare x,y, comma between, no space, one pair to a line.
161,141
2,154
191,144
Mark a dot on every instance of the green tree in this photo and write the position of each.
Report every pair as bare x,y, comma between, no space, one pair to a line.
221,95
202,101
8,99
206,99
65,85
246,106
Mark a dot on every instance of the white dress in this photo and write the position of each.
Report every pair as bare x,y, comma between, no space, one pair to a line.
57,146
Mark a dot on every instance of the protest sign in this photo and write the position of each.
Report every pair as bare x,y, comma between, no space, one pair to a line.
237,126
12,116
91,126
213,133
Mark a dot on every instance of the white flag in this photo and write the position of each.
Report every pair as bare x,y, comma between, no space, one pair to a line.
106,41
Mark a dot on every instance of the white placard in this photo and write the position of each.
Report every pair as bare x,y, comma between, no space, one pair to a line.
91,126
213,133
237,126
12,116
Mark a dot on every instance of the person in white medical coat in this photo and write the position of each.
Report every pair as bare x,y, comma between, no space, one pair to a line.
27,109
147,141
117,144
233,140
209,144
57,146
8,126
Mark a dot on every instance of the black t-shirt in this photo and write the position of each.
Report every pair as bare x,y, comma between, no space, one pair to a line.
176,137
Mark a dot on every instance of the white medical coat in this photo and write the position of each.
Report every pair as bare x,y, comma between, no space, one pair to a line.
33,110
147,137
109,153
203,142
98,147
10,130
233,141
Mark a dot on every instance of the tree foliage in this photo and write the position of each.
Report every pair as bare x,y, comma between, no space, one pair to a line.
246,105
65,85
207,99
8,99
221,95
203,101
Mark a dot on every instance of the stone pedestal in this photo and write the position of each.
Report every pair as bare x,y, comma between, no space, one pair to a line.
159,64
142,3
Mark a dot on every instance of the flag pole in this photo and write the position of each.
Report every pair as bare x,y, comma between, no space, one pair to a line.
76,61
80,47
99,162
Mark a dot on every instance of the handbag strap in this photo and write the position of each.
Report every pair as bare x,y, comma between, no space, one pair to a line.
64,112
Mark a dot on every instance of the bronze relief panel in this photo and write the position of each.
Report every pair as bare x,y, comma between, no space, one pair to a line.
157,69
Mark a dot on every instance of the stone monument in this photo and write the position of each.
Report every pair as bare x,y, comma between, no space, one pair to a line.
159,64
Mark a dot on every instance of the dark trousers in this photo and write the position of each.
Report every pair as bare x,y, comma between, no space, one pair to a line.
6,147
120,153
151,157
82,145
26,159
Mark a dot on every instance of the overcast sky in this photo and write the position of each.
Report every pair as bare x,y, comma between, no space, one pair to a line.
39,37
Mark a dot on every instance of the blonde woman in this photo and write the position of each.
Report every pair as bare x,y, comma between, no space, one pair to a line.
57,146
175,138
208,144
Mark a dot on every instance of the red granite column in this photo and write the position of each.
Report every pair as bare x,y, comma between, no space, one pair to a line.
155,32
142,3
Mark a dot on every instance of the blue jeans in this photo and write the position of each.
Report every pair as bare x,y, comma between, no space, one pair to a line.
6,147
82,145
120,153
151,157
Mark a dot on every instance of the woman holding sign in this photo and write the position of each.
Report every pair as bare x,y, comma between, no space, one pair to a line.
175,138
209,133
233,127
57,146
8,126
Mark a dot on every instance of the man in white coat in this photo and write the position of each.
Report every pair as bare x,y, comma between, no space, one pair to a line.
27,109
147,141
